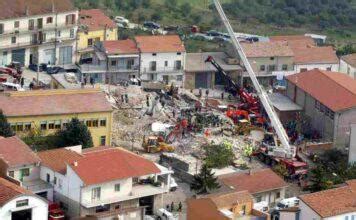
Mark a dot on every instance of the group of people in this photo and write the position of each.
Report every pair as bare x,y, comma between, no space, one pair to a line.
171,207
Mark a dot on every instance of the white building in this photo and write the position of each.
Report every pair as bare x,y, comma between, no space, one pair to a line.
20,164
333,204
348,65
162,58
104,182
37,31
17,203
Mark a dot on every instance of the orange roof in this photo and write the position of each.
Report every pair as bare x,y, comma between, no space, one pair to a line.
95,19
295,40
267,49
14,152
224,200
203,209
350,59
111,164
120,47
333,202
160,44
336,91
53,102
9,190
258,181
17,8
58,159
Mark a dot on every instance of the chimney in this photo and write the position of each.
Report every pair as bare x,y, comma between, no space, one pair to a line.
75,163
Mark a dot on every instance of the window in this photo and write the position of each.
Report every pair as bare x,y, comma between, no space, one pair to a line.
49,20
13,40
22,203
95,193
11,174
19,127
328,69
39,23
16,24
95,123
271,58
117,187
153,66
180,78
27,126
1,28
166,63
179,53
51,125
278,195
154,54
31,24
243,209
178,65
43,36
258,199
284,67
103,122
89,123
43,125
117,206
262,68
103,140
58,33
271,68
102,208
90,42
48,178
60,183
57,124
25,172
113,63
71,33
70,19
65,123
55,180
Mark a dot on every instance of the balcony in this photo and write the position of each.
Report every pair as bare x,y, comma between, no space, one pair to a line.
35,43
37,185
24,31
137,191
163,70
92,68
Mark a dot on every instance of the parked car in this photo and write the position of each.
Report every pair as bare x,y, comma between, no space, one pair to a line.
213,33
163,214
121,20
151,25
7,86
286,203
200,36
33,67
55,70
171,28
261,206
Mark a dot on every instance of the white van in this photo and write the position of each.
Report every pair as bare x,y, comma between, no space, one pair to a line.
286,203
261,206
7,86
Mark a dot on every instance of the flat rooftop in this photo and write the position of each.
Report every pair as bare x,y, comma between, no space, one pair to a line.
195,62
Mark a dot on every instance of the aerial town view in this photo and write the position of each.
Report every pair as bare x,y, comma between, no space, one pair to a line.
178,109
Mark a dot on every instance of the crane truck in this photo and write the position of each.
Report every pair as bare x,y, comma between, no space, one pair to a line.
275,153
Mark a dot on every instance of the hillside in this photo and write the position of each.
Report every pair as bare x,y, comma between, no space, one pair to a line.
337,19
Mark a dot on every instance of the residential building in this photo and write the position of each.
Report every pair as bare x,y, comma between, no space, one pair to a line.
47,111
162,58
201,74
329,99
348,65
263,184
113,62
21,165
332,204
37,31
18,203
269,59
223,206
94,26
104,182
307,55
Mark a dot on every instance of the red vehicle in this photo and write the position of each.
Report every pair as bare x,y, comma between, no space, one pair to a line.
10,71
55,212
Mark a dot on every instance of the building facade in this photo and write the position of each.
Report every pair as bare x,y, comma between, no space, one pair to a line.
348,65
38,32
162,58
46,112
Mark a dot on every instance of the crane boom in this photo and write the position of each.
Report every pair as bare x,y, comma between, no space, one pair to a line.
276,123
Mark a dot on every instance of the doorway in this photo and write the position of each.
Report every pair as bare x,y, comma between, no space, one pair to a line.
22,215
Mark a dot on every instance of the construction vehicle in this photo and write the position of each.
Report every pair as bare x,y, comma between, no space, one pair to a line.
55,212
12,72
282,153
154,144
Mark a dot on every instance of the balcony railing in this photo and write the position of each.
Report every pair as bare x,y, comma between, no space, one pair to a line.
33,43
88,68
163,69
22,31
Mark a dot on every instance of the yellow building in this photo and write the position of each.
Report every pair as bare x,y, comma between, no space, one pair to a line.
94,26
47,111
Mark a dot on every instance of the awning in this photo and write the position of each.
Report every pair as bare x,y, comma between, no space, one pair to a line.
283,103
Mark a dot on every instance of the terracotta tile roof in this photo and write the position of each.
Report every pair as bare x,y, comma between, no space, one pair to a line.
224,200
203,209
333,202
112,164
58,159
120,47
9,190
258,181
350,59
17,8
306,51
337,91
95,19
14,152
267,49
53,102
160,44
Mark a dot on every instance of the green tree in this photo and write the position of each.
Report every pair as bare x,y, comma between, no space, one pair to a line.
5,128
205,181
75,133
320,179
219,155
186,8
281,170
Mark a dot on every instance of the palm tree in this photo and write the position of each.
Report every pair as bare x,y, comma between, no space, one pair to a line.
205,181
